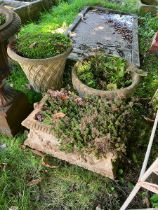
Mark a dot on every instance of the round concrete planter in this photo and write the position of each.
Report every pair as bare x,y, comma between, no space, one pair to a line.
42,73
84,90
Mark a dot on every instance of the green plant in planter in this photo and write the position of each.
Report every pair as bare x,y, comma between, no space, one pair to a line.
90,124
43,45
42,56
104,72
2,19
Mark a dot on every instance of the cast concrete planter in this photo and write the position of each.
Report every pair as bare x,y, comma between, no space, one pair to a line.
40,138
84,90
42,73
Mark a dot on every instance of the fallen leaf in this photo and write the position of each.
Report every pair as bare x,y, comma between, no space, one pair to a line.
48,165
58,115
3,166
64,97
146,202
34,182
33,45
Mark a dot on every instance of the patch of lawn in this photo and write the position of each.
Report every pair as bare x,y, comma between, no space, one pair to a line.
63,187
17,168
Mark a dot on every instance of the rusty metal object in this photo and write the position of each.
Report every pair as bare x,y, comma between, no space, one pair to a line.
7,30
13,104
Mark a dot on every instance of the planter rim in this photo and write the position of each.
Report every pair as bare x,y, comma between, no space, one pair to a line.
10,51
134,75
8,15
34,123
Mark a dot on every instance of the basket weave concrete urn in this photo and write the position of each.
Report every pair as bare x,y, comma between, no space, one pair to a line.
13,104
42,74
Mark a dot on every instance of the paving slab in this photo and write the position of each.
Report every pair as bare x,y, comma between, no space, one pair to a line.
97,28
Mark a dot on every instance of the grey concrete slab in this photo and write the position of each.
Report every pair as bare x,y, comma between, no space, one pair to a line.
99,28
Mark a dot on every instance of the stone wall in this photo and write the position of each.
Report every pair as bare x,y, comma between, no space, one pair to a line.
29,9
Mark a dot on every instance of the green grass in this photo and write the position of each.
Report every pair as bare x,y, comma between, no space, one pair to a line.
17,168
70,187
64,186
63,15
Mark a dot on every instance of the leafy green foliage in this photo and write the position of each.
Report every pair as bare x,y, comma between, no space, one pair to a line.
149,62
2,19
104,72
154,201
148,27
89,124
43,45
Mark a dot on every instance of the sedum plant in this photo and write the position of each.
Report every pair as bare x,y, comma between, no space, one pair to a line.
104,72
90,124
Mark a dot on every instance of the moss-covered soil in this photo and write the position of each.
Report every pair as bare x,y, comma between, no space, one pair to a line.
42,45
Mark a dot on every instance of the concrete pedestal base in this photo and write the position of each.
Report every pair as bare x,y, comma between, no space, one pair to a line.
12,115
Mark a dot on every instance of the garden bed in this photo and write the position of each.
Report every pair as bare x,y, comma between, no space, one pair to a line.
111,31
28,10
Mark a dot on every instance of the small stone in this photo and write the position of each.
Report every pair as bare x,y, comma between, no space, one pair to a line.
3,146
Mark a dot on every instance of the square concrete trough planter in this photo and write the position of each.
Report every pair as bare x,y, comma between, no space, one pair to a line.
29,9
40,138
